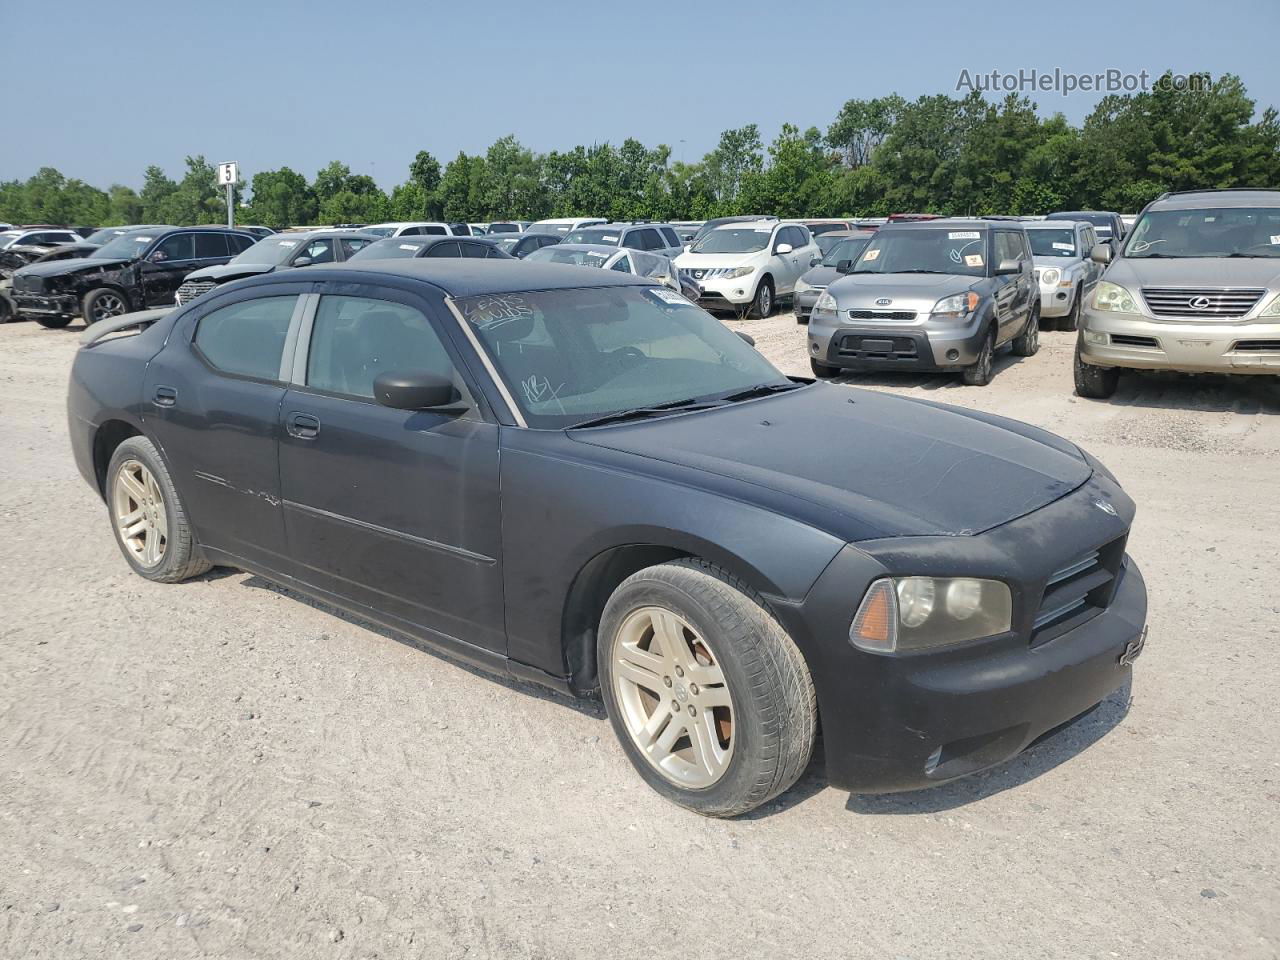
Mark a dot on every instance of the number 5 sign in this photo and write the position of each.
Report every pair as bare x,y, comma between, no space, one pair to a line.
227,174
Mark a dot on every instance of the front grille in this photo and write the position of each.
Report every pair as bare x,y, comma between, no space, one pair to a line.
1078,591
1124,340
706,273
1259,346
192,289
877,348
26,284
881,314
1201,303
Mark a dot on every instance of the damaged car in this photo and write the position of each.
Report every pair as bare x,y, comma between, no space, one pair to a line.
580,479
139,269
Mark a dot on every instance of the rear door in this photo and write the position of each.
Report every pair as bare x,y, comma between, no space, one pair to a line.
1007,292
396,510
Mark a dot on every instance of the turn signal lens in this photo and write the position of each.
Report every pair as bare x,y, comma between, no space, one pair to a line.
875,626
1273,308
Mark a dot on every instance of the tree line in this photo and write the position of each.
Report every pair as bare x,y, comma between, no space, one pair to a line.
937,154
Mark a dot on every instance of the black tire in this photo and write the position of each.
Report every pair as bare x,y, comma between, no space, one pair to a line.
1027,342
1072,320
801,318
181,557
6,312
978,373
103,304
53,323
1092,382
822,371
764,302
774,707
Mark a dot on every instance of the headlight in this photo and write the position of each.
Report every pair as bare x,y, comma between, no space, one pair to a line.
956,307
1050,276
801,286
1113,298
736,272
1273,308
825,303
904,614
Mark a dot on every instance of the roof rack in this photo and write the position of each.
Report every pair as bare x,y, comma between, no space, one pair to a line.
1183,193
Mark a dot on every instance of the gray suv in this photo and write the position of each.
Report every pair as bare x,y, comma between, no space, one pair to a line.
1196,288
930,295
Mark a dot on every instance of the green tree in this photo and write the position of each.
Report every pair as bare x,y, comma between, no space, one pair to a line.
124,206
157,188
861,126
281,198
738,154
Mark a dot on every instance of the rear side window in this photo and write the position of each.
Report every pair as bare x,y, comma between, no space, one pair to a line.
475,250
669,235
211,245
646,239
356,338
447,248
246,338
435,231
351,244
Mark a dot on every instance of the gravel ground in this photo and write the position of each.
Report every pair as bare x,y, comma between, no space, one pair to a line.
222,769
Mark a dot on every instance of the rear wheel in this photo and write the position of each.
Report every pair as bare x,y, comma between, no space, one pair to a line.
148,519
103,304
1027,342
763,302
708,695
822,371
53,323
1094,383
978,373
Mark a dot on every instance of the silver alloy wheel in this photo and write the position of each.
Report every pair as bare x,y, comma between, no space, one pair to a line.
766,299
138,508
106,306
673,697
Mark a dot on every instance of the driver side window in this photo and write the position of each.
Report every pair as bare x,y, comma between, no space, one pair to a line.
177,247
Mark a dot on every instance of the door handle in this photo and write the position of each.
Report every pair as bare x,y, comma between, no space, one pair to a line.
165,396
303,426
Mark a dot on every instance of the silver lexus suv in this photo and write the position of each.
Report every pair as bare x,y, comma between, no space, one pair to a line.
1196,288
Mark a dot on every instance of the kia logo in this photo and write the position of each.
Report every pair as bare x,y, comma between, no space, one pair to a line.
1200,303
883,302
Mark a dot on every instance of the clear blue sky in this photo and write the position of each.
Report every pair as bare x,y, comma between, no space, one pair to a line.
100,89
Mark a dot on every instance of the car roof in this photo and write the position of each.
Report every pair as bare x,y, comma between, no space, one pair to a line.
1057,223
1193,199
944,223
590,247
1071,214
424,239
325,234
463,277
411,223
739,224
846,234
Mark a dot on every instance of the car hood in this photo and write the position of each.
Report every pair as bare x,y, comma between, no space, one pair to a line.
820,276
229,271
62,268
1195,272
867,465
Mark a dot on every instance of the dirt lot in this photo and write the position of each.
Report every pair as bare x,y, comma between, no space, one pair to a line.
222,769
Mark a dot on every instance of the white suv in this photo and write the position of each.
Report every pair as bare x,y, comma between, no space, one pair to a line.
411,228
560,226
749,264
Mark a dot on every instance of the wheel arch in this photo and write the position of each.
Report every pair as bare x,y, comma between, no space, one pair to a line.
106,439
115,288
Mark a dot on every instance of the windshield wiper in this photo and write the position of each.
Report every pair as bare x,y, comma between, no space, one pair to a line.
640,413
761,390
939,272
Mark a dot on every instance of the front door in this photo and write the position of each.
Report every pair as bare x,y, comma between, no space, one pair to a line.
396,510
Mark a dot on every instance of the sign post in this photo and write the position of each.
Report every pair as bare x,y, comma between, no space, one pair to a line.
228,174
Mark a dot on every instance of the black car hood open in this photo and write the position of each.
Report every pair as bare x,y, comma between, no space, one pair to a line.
230,271
892,465
61,268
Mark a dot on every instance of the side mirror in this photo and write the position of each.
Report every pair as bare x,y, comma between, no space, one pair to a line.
747,338
814,261
302,262
1005,267
1101,253
844,266
783,248
420,390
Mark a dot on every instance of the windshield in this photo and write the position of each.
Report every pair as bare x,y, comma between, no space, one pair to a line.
270,250
99,237
555,229
1053,243
734,240
509,244
1102,222
6,239
601,235
558,254
953,252
574,355
1210,232
124,247
391,248
847,249
379,231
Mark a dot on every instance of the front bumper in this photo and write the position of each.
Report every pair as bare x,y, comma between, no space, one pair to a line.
722,291
61,305
803,301
1055,300
921,344
903,722
1137,342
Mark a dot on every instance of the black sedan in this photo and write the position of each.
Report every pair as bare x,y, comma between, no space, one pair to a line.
404,248
578,478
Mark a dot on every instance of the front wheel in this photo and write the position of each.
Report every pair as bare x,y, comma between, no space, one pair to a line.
103,304
148,519
978,373
708,695
763,302
1094,383
822,371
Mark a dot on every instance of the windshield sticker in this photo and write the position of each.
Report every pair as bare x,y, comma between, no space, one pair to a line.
410,246
965,235
764,229
288,243
1275,239
1063,246
871,255
143,239
490,312
668,296
610,238
973,260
